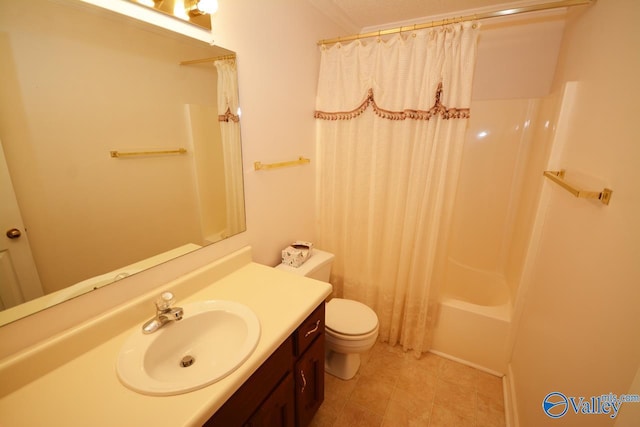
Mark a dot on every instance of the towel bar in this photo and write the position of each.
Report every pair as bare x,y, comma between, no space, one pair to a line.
266,166
116,153
558,177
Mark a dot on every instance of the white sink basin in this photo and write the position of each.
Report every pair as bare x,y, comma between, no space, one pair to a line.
217,336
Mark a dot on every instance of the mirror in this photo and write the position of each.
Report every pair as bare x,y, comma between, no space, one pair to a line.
78,82
193,11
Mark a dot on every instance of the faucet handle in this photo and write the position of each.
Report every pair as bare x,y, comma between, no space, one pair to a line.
165,301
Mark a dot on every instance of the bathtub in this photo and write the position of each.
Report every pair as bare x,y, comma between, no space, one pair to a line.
473,318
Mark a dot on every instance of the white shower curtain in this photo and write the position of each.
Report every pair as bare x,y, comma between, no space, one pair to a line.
391,120
228,102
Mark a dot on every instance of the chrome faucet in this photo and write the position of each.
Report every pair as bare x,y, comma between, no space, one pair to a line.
164,313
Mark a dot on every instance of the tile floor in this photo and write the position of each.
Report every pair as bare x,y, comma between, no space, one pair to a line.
394,389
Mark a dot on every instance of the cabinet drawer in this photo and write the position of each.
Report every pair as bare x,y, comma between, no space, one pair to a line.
311,328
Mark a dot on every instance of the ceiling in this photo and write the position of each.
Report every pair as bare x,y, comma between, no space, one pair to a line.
363,15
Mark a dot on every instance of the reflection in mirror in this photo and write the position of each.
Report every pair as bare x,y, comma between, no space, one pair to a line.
196,12
78,82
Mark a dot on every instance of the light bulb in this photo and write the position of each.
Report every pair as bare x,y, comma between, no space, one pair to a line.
208,6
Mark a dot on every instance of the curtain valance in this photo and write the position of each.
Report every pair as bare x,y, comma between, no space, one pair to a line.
438,109
413,76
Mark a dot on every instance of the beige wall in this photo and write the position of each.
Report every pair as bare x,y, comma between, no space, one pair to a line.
278,66
578,333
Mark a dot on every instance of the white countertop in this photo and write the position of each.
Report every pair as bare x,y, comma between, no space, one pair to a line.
85,391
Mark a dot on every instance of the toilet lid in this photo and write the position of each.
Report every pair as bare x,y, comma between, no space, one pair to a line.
349,317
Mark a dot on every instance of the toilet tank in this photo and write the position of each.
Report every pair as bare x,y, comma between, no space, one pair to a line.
318,266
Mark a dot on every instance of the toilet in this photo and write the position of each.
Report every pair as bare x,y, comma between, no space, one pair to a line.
351,327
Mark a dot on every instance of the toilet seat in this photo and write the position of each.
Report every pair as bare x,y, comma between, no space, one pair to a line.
330,334
349,318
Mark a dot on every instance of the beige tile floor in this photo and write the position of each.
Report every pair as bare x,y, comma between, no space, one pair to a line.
394,389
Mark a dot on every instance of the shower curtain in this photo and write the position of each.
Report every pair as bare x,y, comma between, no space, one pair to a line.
228,102
391,116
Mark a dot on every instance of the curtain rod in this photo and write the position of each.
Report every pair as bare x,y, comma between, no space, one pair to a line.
478,16
215,58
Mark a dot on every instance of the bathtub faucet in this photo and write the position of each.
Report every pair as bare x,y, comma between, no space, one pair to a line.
165,313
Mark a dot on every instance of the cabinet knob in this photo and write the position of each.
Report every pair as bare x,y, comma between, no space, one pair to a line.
13,233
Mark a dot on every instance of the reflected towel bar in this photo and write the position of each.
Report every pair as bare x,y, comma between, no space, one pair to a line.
212,59
558,177
116,153
266,166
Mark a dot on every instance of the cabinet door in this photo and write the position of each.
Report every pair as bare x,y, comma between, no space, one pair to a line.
278,410
237,410
309,373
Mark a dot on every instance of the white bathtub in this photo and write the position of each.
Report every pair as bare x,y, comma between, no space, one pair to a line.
473,318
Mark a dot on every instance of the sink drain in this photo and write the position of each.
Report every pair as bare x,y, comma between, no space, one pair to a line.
187,361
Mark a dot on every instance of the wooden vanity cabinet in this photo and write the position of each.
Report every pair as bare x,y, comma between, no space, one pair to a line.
288,388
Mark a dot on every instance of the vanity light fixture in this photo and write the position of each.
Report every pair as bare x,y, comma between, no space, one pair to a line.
201,7
196,12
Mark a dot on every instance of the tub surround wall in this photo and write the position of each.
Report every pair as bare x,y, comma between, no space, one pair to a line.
538,148
505,150
91,349
475,308
500,177
578,333
495,154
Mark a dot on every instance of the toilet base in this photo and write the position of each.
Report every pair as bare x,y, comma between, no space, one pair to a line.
341,365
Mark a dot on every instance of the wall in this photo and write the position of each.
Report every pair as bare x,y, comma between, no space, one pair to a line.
578,332
278,66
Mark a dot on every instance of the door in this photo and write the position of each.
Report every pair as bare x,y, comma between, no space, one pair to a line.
309,372
278,410
19,280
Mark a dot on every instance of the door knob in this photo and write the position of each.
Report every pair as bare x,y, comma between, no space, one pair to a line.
14,233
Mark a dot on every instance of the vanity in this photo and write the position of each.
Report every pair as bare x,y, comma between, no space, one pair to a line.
288,388
71,378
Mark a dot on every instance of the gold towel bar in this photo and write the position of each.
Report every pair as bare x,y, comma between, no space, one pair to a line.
558,177
262,166
212,59
116,153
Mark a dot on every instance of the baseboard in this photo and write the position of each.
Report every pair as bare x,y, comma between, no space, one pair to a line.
510,406
466,362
